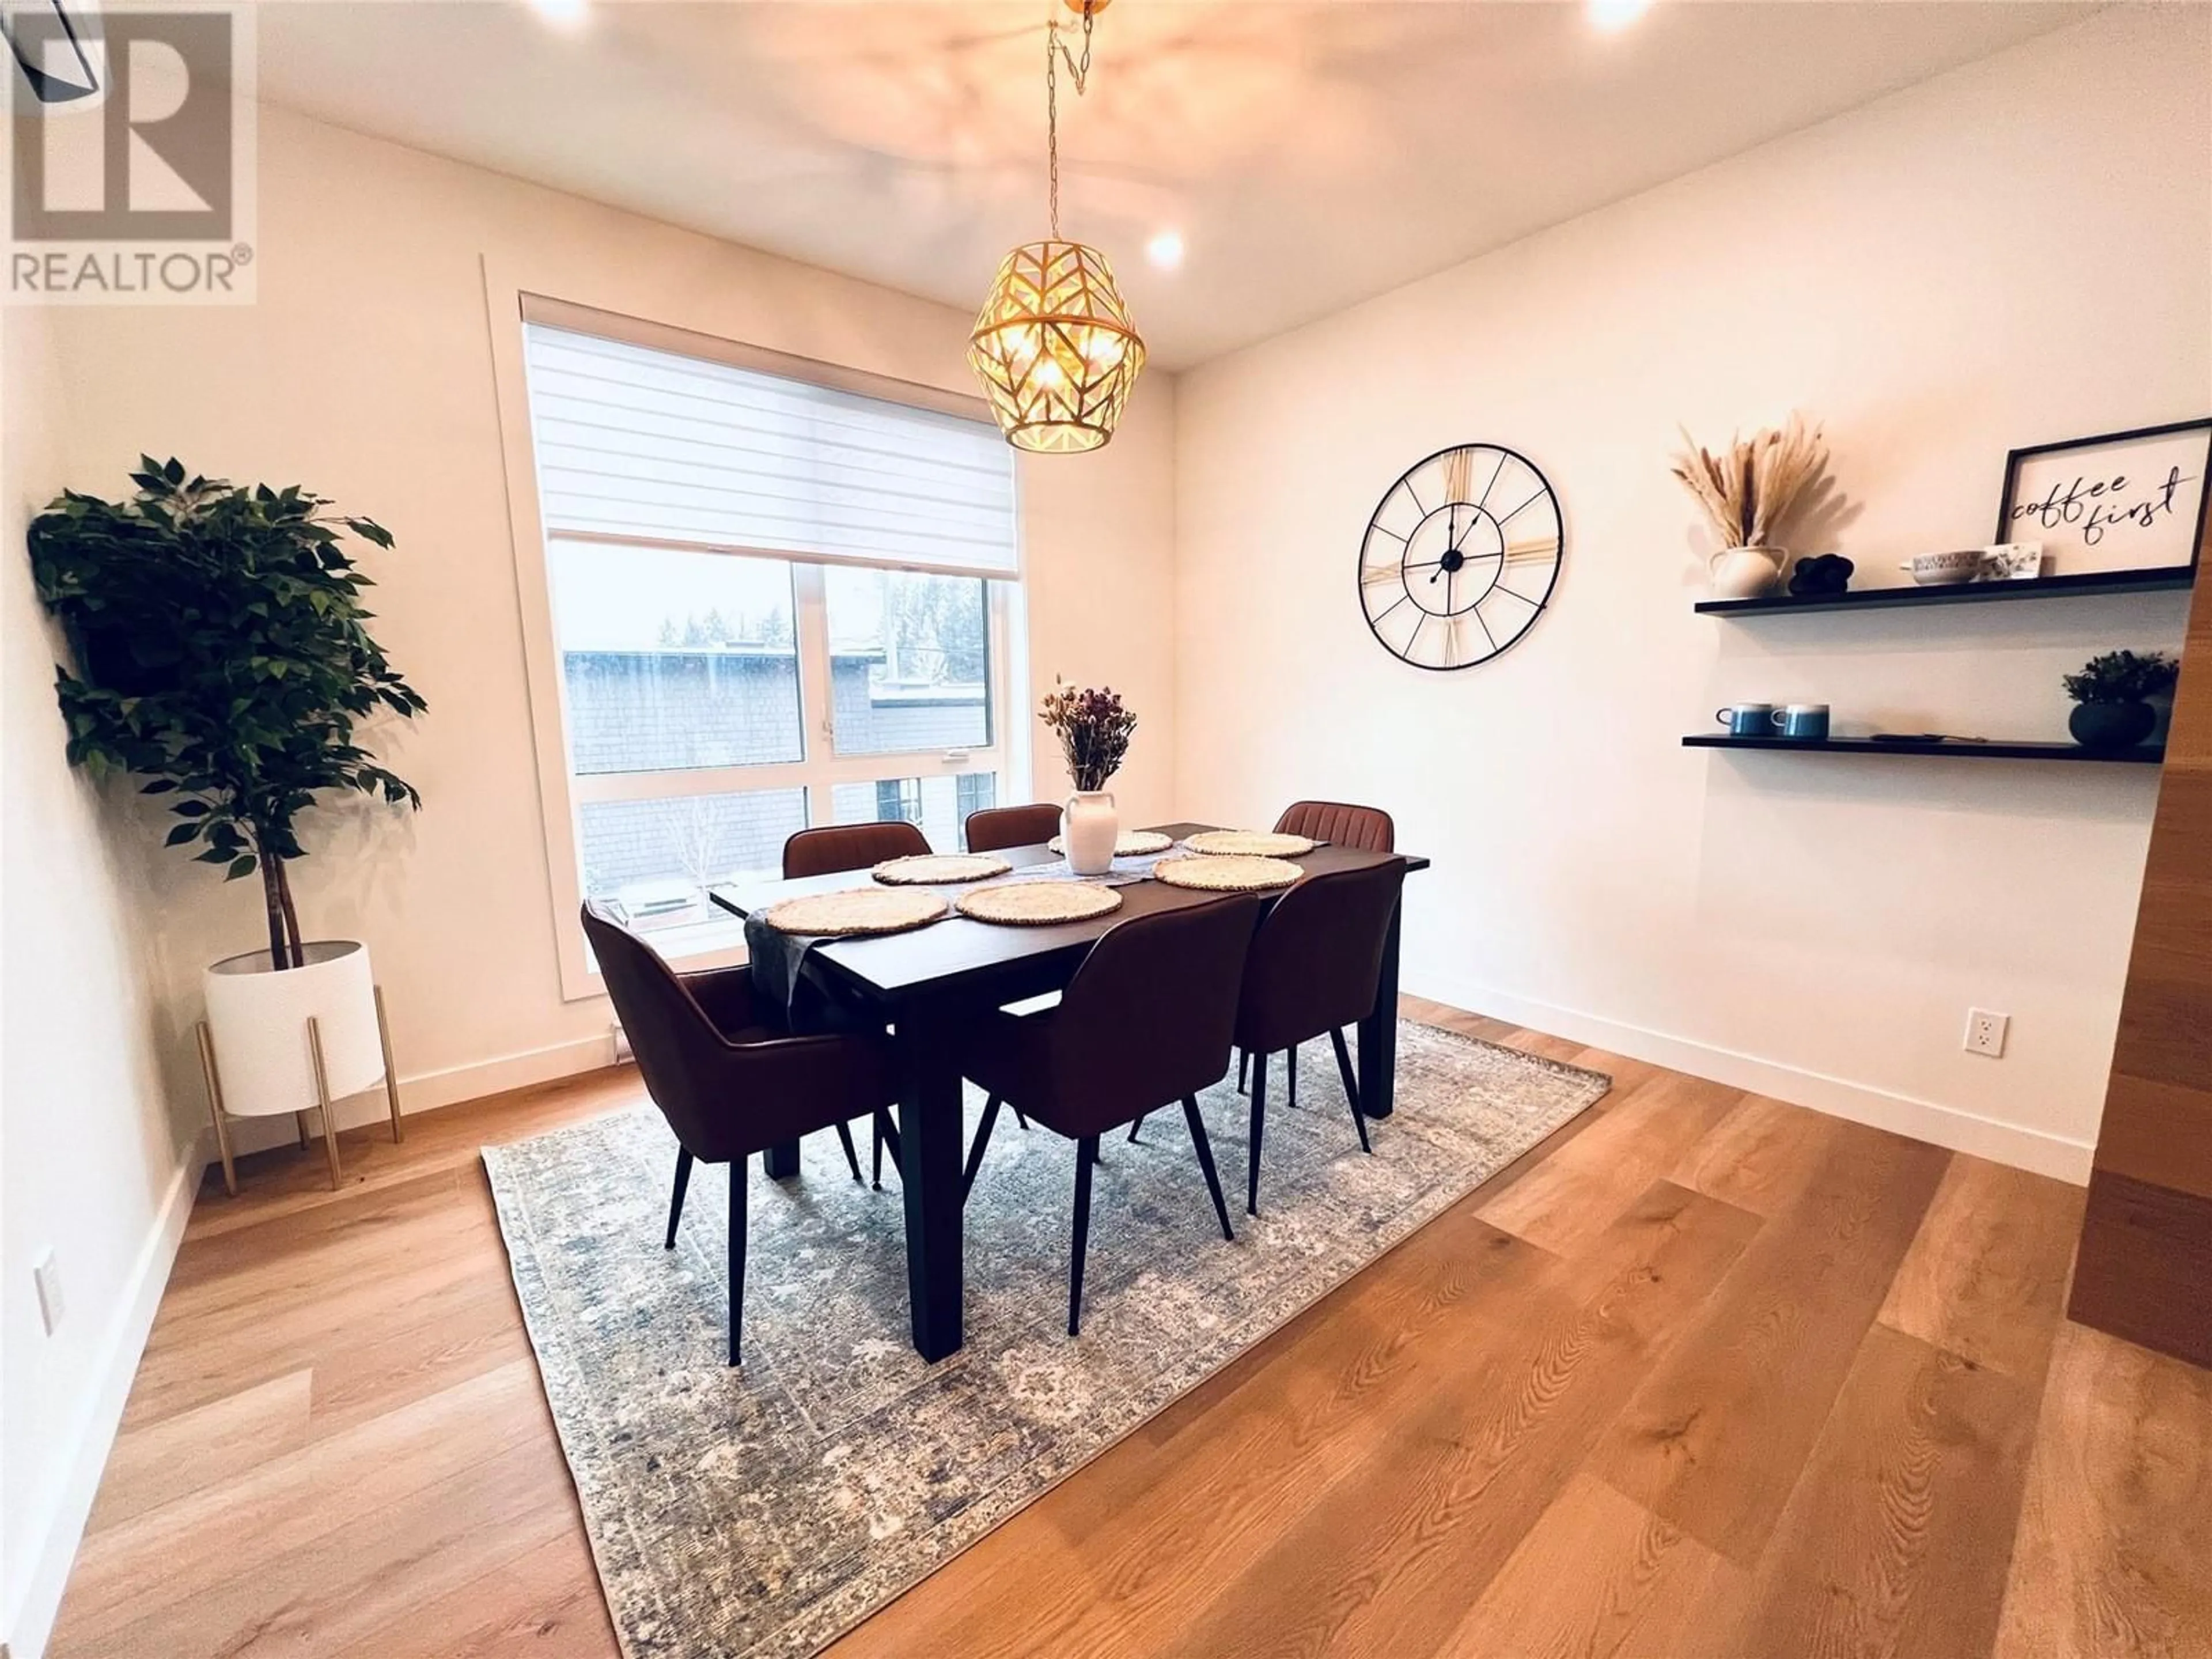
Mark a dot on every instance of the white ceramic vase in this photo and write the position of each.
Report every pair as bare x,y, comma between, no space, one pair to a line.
257,1019
1745,573
1089,826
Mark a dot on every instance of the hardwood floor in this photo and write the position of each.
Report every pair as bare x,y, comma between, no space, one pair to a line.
1704,1375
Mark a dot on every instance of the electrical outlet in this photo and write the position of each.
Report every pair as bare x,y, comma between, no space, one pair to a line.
47,1274
1985,1032
622,1042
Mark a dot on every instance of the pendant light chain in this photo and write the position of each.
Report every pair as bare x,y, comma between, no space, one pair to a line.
1053,51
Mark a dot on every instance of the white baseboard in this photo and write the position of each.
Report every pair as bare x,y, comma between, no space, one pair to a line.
426,1091
31,1621
2034,1149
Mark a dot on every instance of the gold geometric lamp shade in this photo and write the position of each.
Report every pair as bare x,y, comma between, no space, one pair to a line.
1054,349
1054,345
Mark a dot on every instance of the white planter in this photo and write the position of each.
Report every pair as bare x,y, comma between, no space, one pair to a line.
257,1019
1089,825
1745,573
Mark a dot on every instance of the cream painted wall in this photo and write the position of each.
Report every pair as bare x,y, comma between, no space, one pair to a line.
95,1166
2017,252
365,372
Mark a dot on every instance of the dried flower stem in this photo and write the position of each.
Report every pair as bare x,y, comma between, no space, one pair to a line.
1093,727
1750,496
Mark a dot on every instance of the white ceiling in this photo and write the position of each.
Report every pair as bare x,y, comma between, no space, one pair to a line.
1311,155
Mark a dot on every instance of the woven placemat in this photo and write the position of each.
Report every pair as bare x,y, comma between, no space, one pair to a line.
1039,903
1226,872
931,869
861,910
1247,844
1129,844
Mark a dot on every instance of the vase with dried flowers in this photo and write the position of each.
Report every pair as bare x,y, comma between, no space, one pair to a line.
1749,491
1093,726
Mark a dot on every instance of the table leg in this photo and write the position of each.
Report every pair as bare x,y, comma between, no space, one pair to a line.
1378,1032
929,1182
781,1160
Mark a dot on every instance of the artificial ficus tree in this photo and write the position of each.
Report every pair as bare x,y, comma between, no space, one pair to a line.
222,654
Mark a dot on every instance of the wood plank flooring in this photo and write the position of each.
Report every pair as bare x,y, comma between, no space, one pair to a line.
1705,1375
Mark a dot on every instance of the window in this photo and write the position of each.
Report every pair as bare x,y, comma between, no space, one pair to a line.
771,602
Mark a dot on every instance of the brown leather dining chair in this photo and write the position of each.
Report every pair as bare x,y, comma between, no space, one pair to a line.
728,1084
1145,1022
992,828
832,850
839,847
1314,966
1365,829
1341,823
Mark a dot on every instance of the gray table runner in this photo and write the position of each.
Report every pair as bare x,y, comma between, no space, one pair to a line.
804,1007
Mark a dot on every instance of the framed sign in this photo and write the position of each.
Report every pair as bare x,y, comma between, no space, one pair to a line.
2123,501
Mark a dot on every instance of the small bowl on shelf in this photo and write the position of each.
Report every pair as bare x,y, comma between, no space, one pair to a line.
1942,569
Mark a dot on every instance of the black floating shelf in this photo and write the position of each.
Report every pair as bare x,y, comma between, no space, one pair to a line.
2174,578
2146,753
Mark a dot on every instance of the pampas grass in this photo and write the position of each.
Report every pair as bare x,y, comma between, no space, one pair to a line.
1751,489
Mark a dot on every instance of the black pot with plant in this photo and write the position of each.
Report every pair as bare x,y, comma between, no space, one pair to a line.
222,654
2113,696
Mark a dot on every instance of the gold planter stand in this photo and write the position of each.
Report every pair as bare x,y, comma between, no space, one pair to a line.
214,1081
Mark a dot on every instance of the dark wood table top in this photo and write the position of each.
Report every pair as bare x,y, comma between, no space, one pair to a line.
958,955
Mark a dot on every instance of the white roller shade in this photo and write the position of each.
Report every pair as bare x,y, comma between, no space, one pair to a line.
639,445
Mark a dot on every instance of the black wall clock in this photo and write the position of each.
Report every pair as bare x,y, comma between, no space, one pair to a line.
1461,556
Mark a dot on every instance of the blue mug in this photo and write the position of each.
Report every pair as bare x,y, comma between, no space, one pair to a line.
1748,719
1803,719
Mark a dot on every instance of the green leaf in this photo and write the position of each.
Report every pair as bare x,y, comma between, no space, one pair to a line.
244,866
179,833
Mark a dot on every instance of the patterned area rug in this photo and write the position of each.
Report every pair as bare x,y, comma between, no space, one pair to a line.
767,1510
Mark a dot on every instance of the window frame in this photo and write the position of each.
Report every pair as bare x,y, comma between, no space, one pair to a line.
821,767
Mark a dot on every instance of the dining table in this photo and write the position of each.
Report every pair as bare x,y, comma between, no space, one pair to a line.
928,984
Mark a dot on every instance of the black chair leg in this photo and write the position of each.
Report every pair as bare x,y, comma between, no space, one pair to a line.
1138,1125
738,1172
845,1139
982,1139
1086,1154
676,1203
1205,1161
1258,1125
885,1136
1019,1119
1350,1087
1243,1070
1291,1095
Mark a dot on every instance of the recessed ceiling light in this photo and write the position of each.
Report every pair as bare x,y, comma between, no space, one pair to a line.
1165,249
1611,17
562,13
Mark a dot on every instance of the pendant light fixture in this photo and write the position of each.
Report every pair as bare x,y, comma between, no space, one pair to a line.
1053,344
